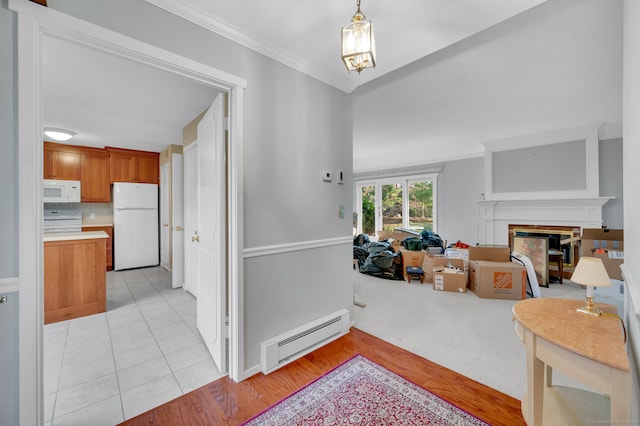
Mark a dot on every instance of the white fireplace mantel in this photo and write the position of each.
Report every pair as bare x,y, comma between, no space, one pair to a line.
495,216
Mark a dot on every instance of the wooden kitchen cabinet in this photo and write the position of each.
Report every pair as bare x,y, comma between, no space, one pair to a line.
61,162
74,279
94,166
109,243
128,165
88,165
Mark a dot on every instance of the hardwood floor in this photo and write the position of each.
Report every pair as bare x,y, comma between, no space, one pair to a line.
225,402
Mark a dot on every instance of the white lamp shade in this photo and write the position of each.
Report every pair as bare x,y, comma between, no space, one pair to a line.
590,271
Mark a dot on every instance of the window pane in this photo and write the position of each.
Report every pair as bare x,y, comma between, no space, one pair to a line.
421,205
368,210
391,206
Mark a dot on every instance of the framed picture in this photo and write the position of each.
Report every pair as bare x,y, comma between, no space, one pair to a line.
537,250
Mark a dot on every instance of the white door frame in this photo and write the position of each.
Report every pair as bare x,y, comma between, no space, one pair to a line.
34,22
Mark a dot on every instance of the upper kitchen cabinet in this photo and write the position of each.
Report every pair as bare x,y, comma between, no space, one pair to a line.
61,162
95,186
88,165
128,165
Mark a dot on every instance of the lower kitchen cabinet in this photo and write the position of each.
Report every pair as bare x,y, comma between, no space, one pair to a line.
109,248
74,279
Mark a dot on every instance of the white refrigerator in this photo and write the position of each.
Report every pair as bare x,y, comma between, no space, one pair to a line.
135,223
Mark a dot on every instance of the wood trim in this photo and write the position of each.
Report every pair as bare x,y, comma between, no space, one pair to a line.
225,402
40,2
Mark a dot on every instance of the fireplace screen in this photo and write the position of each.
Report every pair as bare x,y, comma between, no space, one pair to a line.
554,236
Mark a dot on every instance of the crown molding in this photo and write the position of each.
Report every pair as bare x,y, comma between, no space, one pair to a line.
210,22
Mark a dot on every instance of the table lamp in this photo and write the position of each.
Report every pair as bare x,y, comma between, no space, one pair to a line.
590,272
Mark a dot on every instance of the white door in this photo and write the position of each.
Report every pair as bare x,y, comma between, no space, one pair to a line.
191,218
165,236
211,304
177,221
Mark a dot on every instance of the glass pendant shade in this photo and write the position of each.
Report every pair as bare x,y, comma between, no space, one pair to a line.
358,44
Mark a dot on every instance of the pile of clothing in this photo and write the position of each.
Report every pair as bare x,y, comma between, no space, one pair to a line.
377,258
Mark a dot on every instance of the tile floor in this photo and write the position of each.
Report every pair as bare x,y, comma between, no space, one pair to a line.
145,350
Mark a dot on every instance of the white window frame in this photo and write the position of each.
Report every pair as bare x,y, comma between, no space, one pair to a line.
405,181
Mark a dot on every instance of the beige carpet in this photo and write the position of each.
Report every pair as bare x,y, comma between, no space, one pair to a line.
472,336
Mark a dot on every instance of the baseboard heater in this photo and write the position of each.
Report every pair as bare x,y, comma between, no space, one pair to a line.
287,347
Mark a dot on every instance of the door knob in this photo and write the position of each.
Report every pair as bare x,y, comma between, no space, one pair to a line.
196,239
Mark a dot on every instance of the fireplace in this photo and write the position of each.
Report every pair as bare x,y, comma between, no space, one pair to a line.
566,216
555,235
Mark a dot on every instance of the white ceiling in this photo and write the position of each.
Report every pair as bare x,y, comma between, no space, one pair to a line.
110,101
306,34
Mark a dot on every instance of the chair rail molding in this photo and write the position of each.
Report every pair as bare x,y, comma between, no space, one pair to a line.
9,285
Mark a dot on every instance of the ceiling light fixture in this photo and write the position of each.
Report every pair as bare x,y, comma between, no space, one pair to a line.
58,134
358,45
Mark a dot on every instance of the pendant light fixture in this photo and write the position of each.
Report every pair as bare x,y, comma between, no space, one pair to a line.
358,45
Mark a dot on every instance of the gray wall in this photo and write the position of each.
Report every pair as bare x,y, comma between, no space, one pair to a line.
8,147
610,153
460,186
9,413
9,359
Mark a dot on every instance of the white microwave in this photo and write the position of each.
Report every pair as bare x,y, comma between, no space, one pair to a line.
61,191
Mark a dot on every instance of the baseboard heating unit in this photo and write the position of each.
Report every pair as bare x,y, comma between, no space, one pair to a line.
287,347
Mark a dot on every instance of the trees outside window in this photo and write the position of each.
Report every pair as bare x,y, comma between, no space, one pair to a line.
403,202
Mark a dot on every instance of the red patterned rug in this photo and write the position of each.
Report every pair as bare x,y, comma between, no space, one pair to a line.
361,392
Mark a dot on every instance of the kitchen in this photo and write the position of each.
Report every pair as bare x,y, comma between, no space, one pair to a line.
89,195
116,103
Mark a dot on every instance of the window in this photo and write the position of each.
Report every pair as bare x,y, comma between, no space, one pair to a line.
401,202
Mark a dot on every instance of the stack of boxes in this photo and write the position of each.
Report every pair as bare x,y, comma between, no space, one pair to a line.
488,272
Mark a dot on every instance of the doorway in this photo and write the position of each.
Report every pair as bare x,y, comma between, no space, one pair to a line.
35,23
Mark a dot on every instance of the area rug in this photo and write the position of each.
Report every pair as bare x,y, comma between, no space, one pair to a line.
361,392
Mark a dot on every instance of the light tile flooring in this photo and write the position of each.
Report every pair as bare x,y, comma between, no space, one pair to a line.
145,350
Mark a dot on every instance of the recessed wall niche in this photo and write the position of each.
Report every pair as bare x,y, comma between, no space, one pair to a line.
552,165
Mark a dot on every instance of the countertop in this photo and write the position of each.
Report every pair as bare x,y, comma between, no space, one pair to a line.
68,236
96,225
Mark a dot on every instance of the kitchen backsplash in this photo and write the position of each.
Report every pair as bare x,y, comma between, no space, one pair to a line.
97,213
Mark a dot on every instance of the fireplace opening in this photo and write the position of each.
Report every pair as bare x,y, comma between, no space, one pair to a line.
555,235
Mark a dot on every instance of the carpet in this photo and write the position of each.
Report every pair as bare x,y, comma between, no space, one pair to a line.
361,392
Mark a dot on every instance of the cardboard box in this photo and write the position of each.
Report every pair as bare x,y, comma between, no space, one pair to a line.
613,295
459,253
444,280
411,258
605,244
427,266
498,280
492,253
400,235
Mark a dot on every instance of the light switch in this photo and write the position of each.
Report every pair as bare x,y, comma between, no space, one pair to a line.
326,176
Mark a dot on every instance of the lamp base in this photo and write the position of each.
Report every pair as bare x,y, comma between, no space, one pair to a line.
589,309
